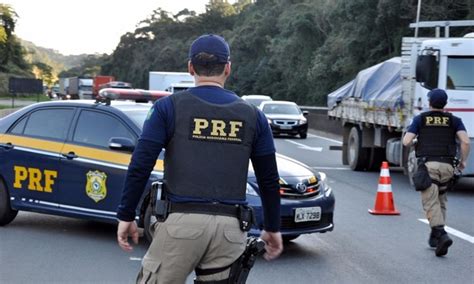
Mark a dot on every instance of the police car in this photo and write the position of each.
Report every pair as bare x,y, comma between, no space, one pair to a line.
70,158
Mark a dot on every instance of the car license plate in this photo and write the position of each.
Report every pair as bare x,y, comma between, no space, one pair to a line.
307,214
285,126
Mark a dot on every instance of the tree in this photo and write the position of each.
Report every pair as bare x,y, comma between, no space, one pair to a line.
11,52
44,72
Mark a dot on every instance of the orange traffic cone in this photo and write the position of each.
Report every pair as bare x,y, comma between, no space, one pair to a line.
384,204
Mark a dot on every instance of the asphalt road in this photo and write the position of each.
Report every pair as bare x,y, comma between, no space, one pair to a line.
363,248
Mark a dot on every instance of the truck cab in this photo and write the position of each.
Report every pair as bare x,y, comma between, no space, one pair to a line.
448,63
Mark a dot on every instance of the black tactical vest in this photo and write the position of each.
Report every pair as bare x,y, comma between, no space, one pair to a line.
208,155
437,135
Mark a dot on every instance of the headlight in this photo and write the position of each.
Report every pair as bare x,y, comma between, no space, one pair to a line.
250,190
302,121
324,185
269,121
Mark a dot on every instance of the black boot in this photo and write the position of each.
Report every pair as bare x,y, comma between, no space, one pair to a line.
434,236
444,242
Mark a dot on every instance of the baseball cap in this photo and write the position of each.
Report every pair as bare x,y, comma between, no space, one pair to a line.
210,44
437,98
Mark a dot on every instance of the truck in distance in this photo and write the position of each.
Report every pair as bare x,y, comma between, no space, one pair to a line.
376,108
170,81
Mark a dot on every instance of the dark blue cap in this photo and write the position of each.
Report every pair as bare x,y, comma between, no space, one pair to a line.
210,44
437,98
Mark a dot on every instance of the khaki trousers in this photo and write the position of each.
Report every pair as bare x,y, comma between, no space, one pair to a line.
434,203
186,241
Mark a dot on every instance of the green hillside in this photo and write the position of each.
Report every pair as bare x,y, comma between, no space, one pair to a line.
51,57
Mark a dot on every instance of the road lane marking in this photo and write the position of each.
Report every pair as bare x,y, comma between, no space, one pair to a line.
332,168
324,138
305,147
136,258
453,232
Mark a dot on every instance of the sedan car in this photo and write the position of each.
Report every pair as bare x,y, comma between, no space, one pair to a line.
70,158
285,117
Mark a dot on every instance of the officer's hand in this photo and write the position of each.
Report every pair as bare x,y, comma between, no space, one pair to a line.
273,244
462,165
124,230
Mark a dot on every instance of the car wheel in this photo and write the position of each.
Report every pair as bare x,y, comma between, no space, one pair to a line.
356,154
303,135
148,222
289,238
7,214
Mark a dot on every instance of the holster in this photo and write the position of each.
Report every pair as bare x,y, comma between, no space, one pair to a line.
421,179
159,205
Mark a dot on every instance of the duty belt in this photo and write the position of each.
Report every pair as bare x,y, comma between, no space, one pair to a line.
205,208
448,160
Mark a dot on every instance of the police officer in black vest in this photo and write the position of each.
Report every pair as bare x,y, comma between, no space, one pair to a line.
209,134
436,132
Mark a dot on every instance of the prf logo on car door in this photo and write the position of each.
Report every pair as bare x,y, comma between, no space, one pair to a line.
36,179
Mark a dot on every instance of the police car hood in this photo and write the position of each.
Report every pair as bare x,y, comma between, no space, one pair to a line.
287,167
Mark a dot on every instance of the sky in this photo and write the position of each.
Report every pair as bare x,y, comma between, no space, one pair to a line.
87,26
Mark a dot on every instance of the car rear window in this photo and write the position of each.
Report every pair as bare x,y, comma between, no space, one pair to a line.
48,123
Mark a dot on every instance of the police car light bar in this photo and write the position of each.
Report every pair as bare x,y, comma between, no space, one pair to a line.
137,95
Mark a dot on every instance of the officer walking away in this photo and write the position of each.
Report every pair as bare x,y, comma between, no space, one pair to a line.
436,132
209,134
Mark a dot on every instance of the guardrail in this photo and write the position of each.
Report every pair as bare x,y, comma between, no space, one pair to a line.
318,120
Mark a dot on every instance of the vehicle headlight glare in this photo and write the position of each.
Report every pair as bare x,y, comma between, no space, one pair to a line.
324,185
250,190
302,121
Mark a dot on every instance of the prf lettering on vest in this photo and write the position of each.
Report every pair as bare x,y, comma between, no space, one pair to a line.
37,180
217,130
437,121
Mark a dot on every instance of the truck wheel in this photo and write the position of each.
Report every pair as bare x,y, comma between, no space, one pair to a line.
357,156
377,156
148,222
412,164
7,214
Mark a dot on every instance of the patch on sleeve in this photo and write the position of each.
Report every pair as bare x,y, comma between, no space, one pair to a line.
150,112
217,130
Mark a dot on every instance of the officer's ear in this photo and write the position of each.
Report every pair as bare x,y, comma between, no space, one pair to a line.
227,69
191,68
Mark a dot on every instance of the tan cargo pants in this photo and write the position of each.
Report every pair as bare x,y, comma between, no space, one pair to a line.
434,203
186,241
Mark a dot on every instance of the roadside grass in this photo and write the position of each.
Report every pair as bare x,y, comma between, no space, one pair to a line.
33,98
5,106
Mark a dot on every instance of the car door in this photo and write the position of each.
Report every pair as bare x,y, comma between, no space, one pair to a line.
29,162
95,173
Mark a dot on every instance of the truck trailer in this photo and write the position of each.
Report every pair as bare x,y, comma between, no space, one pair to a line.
376,108
170,81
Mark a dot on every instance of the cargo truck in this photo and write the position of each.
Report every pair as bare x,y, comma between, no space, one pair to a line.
376,108
63,88
170,81
100,80
80,88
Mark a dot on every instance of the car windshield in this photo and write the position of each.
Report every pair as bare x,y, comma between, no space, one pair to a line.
138,115
256,102
281,109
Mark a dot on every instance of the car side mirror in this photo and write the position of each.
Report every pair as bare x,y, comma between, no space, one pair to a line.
121,144
305,112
